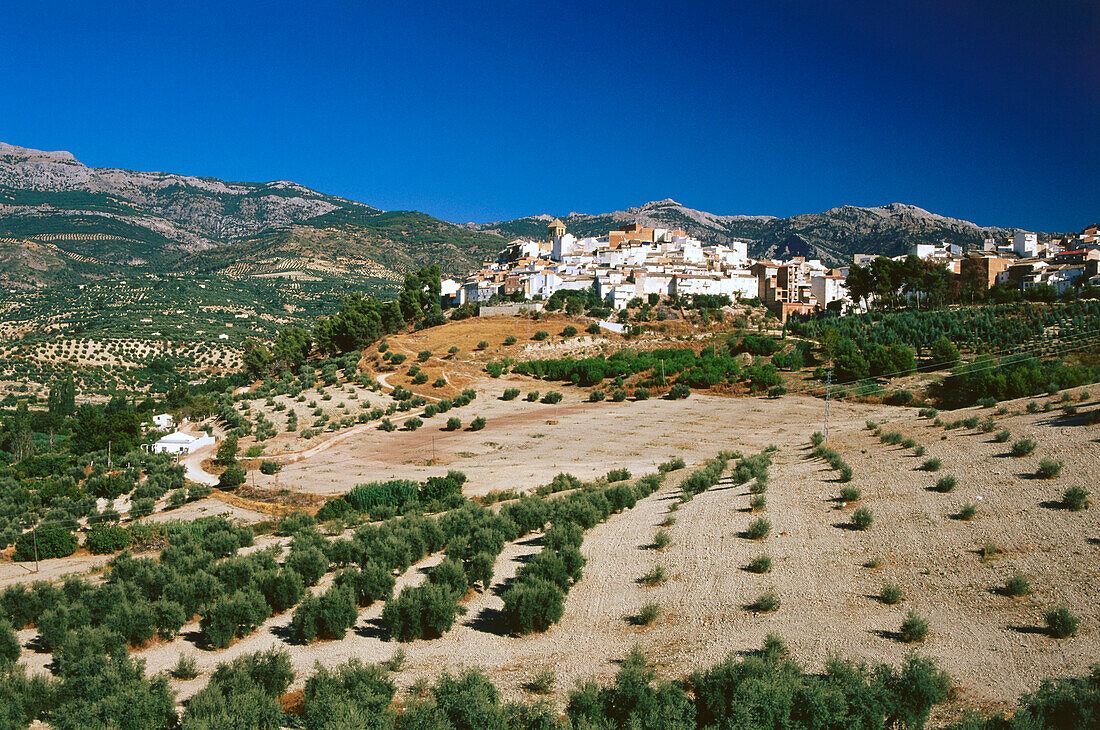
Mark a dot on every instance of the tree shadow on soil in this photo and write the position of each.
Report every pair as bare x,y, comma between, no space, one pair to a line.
489,621
1039,630
285,634
373,629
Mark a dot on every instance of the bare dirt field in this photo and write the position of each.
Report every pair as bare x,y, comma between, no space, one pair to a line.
520,448
990,644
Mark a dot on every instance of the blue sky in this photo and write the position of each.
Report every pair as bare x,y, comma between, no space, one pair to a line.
988,111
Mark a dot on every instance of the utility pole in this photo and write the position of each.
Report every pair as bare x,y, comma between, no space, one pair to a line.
828,393
108,455
35,533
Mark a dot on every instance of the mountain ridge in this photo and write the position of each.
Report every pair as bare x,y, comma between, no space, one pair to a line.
62,221
87,222
832,235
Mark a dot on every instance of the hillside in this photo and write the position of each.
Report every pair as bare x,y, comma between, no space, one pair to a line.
832,236
61,221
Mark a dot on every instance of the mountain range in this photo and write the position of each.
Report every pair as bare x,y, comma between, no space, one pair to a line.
61,221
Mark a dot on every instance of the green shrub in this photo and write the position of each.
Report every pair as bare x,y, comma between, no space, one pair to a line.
270,467
661,539
816,439
540,335
142,507
946,483
932,464
477,424
618,475
672,464
426,611
641,394
862,519
913,628
552,397
845,473
762,563
532,605
919,450
758,503
928,413
454,423
232,477
759,528
765,603
1002,436
892,438
1023,447
988,551
1076,499
679,391
411,424
186,667
1016,586
327,616
908,443
569,331
596,396
1048,468
542,683
654,577
511,394
483,345
1061,622
890,594
967,512
44,542
423,355
648,614
10,648
104,539
850,494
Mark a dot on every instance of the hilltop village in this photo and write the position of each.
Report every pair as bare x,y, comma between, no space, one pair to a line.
639,262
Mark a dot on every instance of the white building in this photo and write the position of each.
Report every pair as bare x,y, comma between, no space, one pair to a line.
181,443
164,421
1026,244
828,289
448,291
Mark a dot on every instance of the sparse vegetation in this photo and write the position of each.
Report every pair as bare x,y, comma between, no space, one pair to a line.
1075,499
1023,447
1016,586
1048,468
762,563
914,628
890,594
654,576
932,464
759,528
1061,622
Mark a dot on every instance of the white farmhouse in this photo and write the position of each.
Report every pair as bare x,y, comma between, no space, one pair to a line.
181,443
164,421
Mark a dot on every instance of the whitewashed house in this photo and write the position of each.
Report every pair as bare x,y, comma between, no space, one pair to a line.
164,421
181,443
